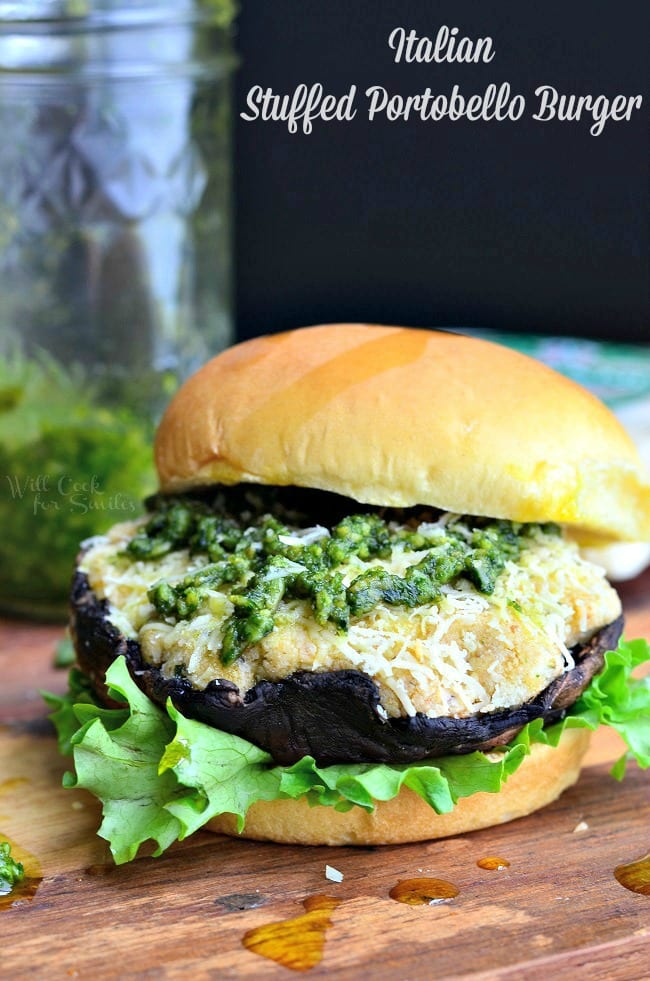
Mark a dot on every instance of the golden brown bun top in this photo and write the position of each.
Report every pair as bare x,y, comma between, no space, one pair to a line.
399,417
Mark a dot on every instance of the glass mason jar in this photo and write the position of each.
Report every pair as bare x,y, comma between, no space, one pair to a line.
115,260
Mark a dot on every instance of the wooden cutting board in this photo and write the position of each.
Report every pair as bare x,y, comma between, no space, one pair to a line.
556,909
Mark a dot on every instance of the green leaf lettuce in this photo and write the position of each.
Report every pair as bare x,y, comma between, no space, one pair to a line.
160,776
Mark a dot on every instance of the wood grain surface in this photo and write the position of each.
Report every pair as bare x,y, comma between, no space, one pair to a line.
557,909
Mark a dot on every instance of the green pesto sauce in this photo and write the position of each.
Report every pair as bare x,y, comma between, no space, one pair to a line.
11,871
262,570
71,466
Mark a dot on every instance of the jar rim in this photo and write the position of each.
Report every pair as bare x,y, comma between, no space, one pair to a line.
83,15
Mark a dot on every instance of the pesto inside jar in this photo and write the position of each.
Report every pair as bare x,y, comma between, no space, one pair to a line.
264,557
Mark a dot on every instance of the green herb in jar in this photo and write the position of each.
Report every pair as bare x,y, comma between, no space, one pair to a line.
69,469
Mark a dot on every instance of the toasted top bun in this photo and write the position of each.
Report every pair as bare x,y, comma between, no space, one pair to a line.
400,417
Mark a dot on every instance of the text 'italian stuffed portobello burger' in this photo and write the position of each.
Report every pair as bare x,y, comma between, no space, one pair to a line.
357,611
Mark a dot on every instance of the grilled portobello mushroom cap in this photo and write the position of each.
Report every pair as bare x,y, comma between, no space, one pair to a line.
334,716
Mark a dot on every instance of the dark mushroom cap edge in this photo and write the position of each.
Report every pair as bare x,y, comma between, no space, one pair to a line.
334,716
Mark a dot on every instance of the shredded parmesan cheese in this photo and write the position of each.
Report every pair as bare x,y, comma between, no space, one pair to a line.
466,653
333,874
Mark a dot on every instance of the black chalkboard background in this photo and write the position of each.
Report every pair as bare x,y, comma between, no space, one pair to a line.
527,226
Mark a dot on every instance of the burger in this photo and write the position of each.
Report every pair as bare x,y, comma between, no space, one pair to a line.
357,610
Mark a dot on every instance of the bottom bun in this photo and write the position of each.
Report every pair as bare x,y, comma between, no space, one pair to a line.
542,777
